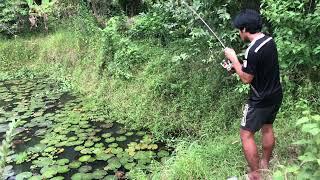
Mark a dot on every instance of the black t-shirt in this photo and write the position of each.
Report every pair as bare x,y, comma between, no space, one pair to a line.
261,61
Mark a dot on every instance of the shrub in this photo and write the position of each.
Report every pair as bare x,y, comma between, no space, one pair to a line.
308,166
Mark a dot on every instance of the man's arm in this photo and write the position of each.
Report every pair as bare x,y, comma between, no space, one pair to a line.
231,55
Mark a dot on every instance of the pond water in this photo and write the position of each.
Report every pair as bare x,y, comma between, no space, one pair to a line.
61,136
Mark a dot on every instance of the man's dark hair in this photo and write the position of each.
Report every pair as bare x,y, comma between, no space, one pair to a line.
249,19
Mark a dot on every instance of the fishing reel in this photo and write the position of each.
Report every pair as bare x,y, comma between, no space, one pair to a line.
226,64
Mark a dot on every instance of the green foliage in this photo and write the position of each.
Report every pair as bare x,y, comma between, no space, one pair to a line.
46,7
308,166
295,23
6,145
121,58
11,16
172,19
201,159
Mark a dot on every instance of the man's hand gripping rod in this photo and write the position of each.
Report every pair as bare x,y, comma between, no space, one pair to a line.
225,63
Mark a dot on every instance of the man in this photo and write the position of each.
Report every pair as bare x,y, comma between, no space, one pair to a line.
260,69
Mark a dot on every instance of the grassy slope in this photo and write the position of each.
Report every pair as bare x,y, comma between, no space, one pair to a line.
214,153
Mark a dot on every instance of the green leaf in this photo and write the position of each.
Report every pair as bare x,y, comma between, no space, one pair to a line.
316,117
307,157
314,131
302,142
278,175
292,169
24,175
84,158
309,127
302,120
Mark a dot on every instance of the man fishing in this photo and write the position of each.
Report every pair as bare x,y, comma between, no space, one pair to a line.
260,69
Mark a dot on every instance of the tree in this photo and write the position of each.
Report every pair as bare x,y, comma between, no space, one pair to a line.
12,13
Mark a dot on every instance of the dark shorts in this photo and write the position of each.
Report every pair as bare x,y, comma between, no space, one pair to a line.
255,117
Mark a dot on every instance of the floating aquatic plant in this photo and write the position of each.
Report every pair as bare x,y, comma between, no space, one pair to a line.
75,164
121,138
23,175
84,158
85,169
68,124
113,145
113,164
48,172
99,174
21,157
110,139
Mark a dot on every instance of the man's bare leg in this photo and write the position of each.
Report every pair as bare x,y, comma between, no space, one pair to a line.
268,142
251,153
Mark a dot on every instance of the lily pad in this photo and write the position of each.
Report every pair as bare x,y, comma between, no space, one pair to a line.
106,135
86,151
121,138
99,174
121,131
62,169
62,162
92,159
77,176
153,147
113,164
104,156
85,169
43,162
79,148
57,178
73,138
75,164
129,166
50,149
24,175
107,126
110,139
163,153
88,143
99,145
48,172
84,158
141,133
113,145
117,150
38,177
129,133
40,132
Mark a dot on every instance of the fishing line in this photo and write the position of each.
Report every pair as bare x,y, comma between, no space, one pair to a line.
215,35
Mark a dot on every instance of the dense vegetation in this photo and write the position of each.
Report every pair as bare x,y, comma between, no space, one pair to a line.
152,65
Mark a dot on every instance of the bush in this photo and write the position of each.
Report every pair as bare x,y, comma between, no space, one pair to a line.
308,166
295,23
121,58
12,16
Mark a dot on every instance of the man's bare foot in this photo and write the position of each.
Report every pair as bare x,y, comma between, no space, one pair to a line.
264,164
254,175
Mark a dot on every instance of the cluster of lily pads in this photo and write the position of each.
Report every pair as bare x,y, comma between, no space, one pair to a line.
61,137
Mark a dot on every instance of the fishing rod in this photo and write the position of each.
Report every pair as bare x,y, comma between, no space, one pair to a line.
204,22
225,63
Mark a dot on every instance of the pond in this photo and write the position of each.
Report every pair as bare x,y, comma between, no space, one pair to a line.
61,136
